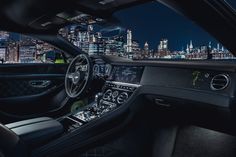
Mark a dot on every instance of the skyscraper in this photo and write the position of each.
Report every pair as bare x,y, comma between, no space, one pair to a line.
3,53
13,52
163,46
136,50
209,45
146,47
129,41
163,50
218,47
191,46
27,53
187,49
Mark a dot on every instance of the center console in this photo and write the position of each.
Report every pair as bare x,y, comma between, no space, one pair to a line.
118,88
37,132
113,95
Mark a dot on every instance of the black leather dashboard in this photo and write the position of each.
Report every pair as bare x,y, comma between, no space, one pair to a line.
188,82
179,83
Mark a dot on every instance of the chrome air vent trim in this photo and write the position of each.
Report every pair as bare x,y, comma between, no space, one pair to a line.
220,82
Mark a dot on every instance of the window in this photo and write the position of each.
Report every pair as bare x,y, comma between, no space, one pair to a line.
18,48
157,33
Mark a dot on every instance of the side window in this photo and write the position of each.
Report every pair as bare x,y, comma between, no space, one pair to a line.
18,48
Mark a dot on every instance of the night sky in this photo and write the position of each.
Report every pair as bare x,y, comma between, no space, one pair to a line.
153,21
232,3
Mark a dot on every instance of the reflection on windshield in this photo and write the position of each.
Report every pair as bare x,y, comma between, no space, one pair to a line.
124,45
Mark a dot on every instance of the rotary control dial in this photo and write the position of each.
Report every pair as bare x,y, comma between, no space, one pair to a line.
107,95
122,97
114,95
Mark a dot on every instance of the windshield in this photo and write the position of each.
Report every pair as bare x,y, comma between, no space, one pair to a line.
147,31
232,3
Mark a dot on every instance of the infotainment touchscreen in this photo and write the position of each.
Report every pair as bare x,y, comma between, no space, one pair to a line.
126,74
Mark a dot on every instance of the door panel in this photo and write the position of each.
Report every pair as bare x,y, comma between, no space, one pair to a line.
26,85
30,89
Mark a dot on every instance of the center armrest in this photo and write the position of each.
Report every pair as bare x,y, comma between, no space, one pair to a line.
36,131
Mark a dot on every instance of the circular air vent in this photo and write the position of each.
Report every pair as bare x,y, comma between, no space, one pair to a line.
219,82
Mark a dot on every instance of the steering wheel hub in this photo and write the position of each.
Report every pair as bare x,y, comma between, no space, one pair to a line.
75,78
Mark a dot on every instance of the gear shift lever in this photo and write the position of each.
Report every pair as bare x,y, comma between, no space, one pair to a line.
98,97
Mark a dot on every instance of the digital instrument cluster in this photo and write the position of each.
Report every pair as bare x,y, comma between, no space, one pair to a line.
102,70
127,74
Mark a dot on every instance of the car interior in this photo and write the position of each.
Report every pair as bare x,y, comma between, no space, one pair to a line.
97,105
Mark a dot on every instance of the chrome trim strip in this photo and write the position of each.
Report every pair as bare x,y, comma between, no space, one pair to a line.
73,120
124,84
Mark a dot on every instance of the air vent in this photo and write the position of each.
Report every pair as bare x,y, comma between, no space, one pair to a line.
219,82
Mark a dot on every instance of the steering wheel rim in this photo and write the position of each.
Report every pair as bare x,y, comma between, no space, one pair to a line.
78,75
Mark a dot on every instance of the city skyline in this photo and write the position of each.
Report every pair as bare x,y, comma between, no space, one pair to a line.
18,37
18,48
125,45
160,21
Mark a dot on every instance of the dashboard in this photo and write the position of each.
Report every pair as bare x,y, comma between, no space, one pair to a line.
216,81
202,82
192,87
199,80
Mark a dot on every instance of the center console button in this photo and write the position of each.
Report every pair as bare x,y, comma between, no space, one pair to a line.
115,94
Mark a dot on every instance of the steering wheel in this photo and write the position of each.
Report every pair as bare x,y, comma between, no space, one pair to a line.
78,75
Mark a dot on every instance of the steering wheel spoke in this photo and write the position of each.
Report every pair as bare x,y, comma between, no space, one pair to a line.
70,75
71,87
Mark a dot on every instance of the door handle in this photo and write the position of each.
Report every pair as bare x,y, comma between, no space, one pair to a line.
162,102
40,83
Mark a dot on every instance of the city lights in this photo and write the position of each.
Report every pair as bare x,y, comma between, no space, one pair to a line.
17,48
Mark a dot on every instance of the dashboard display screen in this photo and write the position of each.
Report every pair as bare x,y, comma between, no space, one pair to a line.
127,74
